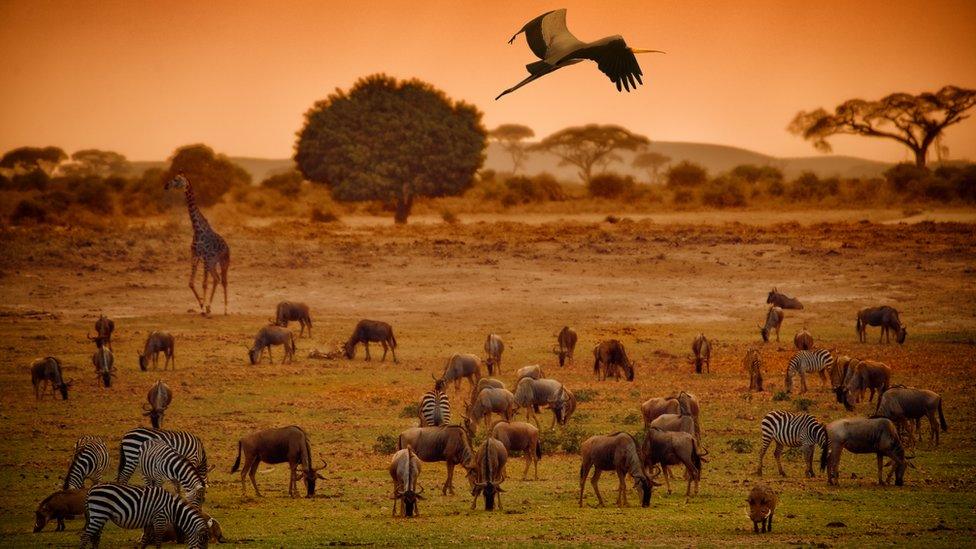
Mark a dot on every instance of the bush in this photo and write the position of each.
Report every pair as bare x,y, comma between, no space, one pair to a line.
585,395
724,192
780,396
34,180
385,444
682,197
632,418
938,189
686,174
568,439
803,404
963,181
93,193
753,174
322,216
410,410
611,185
740,445
449,217
775,188
540,188
809,187
28,211
288,184
905,177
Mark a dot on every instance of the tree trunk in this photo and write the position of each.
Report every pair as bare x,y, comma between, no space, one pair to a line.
404,205
920,155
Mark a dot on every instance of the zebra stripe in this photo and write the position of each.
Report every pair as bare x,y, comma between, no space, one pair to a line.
185,444
435,409
150,508
792,429
808,362
159,463
90,460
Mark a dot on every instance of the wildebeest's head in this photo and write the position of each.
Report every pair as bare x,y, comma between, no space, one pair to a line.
143,362
629,370
40,519
771,297
902,334
563,406
349,350
409,499
310,476
643,486
490,364
254,355
106,379
764,332
63,389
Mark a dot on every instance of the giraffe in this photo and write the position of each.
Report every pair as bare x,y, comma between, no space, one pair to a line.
207,246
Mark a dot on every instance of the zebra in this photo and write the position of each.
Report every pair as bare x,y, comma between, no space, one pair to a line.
185,444
435,409
807,362
90,460
159,462
148,507
793,429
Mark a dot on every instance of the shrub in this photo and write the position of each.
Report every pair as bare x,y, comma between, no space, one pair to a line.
322,216
568,439
905,177
36,179
540,188
775,188
682,197
93,193
288,184
611,185
781,395
753,174
739,445
686,174
449,217
963,181
938,189
385,444
632,418
809,187
803,404
410,410
724,192
28,211
585,395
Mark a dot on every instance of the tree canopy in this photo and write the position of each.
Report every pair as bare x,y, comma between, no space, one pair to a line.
391,140
591,146
211,174
28,159
96,162
916,121
652,162
686,174
511,137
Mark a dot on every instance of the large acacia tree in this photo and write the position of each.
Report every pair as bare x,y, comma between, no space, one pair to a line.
512,138
916,121
210,173
391,140
591,146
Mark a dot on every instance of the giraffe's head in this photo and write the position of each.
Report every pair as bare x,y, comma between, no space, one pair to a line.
178,182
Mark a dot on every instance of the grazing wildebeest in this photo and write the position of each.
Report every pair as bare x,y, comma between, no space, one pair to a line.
448,443
752,363
762,503
47,371
104,361
518,436
104,327
863,375
616,452
904,404
666,448
884,316
653,408
405,470
157,342
268,336
533,370
774,319
875,435
566,345
284,444
680,403
461,366
494,347
288,311
485,383
782,301
159,398
533,393
803,340
489,400
63,504
703,353
487,472
608,357
367,331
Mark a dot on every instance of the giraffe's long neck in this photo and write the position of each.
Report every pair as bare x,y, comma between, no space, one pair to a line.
199,222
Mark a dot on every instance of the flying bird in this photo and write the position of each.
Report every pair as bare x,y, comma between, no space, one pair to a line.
552,42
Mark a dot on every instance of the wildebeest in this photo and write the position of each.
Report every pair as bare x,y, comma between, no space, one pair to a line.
159,398
703,353
494,347
904,404
665,448
288,311
533,370
518,436
875,435
63,504
367,331
774,319
752,363
268,336
884,316
405,470
448,443
863,375
531,394
762,503
609,357
485,383
157,342
803,340
461,366
565,345
104,361
489,400
172,534
487,472
680,403
284,444
782,301
47,371
616,452
104,327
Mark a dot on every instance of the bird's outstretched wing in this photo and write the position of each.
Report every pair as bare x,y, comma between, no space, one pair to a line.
548,37
615,60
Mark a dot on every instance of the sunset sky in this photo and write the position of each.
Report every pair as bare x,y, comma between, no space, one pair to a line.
143,78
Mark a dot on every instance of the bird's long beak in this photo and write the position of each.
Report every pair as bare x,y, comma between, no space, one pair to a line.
635,50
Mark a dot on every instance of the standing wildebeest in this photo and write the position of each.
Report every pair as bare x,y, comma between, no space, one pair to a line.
405,470
682,403
159,398
783,301
608,357
616,452
863,375
667,448
487,472
284,444
876,435
752,363
448,443
762,503
157,342
63,504
494,347
47,371
371,330
774,319
489,400
803,340
533,370
103,361
268,336
458,367
884,316
288,311
533,393
903,404
104,327
518,436
566,345
703,353
485,383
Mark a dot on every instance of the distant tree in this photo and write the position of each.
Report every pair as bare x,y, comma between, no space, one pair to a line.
916,121
750,173
288,183
26,159
511,137
611,185
211,174
686,174
98,163
391,140
652,163
591,146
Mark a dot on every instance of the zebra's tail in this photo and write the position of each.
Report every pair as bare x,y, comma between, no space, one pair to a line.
823,458
237,462
942,421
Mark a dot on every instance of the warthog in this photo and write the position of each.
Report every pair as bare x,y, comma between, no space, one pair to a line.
487,473
448,443
863,375
565,345
616,452
489,400
876,435
405,470
494,347
367,331
774,319
884,316
703,353
159,398
752,363
762,503
288,311
531,394
63,504
533,370
268,336
782,301
666,448
104,327
458,367
284,444
157,342
103,361
803,340
518,436
609,357
47,371
903,405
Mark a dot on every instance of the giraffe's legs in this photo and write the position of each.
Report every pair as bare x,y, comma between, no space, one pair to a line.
205,309
223,282
216,280
194,263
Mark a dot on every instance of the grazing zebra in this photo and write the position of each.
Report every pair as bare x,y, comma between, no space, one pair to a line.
159,462
90,460
435,409
808,362
185,444
793,429
150,508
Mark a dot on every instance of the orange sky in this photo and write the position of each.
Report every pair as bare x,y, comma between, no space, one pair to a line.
143,78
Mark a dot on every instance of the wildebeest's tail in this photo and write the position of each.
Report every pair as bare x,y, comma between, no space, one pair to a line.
858,327
942,421
393,342
538,449
695,456
237,462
